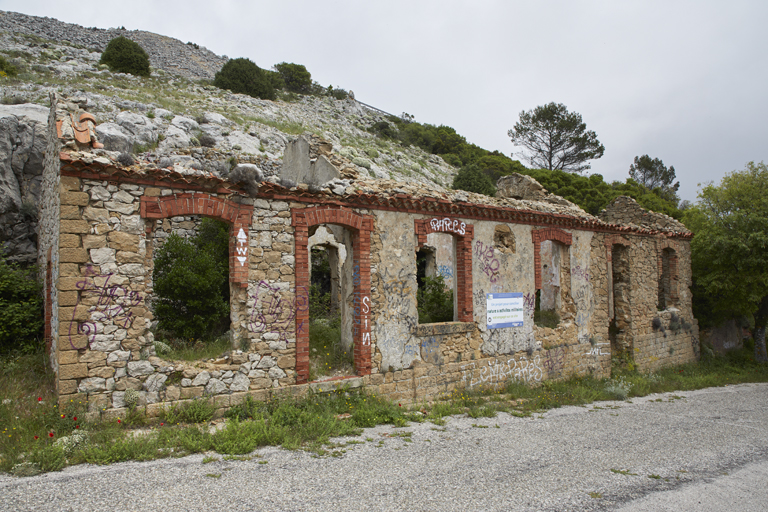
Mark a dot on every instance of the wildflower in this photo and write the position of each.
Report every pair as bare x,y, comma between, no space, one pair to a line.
118,420
50,434
62,416
74,418
77,426
39,399
161,424
36,437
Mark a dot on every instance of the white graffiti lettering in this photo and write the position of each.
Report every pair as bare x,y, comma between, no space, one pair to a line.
446,224
496,372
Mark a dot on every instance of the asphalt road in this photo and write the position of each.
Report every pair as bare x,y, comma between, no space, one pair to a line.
705,451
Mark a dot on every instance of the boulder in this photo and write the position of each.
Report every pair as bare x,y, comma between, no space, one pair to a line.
519,186
115,137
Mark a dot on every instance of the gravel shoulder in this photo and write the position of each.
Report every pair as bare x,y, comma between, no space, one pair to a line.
672,448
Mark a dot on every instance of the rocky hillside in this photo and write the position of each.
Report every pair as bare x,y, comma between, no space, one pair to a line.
170,55
173,118
176,119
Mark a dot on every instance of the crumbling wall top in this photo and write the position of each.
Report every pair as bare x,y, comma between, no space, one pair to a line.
625,211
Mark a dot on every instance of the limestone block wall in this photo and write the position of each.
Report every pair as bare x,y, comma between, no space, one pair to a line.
109,224
105,252
668,336
49,216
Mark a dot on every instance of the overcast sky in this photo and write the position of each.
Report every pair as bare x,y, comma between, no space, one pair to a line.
683,81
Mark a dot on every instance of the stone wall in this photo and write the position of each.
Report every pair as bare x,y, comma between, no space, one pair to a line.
103,223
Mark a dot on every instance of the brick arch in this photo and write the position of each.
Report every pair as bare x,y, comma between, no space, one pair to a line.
542,235
238,215
360,226
612,240
464,234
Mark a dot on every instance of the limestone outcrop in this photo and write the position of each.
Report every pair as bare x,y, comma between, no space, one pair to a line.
22,145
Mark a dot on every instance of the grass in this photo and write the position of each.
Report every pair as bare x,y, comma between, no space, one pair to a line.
183,350
327,356
36,435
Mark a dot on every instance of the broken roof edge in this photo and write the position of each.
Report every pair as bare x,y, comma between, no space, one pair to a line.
81,154
100,168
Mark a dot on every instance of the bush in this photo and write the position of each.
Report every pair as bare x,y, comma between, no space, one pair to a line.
472,179
7,69
191,283
125,56
295,77
435,301
21,308
244,77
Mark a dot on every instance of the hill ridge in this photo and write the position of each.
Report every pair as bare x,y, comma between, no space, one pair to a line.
167,53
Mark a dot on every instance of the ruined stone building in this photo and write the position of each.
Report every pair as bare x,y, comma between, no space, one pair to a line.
616,286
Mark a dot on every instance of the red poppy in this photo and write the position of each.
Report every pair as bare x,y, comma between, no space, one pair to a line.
74,418
39,399
119,421
63,416
37,437
77,426
50,434
161,424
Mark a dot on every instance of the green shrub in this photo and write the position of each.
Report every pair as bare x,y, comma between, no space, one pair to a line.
21,308
191,283
7,69
472,179
125,56
435,301
295,77
245,77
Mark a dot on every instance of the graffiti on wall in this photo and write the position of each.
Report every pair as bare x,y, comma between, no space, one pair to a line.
554,361
488,263
496,371
596,350
399,294
580,272
430,350
276,314
445,270
529,304
242,247
112,305
585,305
362,310
448,225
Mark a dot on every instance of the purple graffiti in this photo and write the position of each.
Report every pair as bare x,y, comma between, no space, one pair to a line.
578,271
529,303
277,315
488,264
554,361
112,304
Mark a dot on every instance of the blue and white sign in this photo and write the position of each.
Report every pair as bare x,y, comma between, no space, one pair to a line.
504,310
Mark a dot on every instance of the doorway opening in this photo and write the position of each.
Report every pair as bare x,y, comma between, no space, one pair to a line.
330,303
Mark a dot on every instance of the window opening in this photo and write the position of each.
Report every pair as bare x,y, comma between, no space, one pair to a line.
190,295
330,293
619,330
665,279
435,272
553,299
